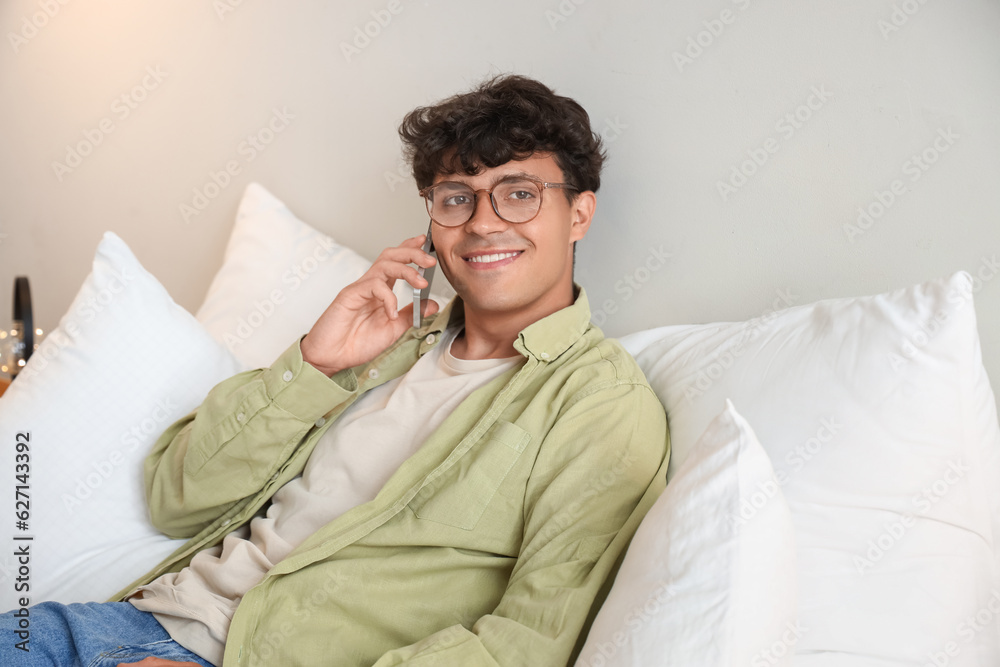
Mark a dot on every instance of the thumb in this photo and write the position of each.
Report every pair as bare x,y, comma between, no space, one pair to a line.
429,307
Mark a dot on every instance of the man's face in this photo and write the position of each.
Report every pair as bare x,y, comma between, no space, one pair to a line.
533,275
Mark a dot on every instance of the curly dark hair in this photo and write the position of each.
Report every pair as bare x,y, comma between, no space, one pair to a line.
507,117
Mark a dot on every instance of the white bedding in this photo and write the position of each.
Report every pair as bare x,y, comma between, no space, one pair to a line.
874,414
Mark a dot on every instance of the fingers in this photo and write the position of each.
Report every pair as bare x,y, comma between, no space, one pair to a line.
366,296
392,264
382,292
395,263
388,272
409,251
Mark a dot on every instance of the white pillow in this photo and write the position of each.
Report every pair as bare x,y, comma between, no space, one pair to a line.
880,422
278,276
709,578
123,364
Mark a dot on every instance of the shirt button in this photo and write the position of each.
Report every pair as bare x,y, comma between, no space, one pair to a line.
544,355
240,417
287,376
274,477
430,339
320,421
227,522
373,373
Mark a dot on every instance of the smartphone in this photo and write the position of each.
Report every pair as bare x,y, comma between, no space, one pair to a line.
428,274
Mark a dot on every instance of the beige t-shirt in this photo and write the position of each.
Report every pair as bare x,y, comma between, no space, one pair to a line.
351,462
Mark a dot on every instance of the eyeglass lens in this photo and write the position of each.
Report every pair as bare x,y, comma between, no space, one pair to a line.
452,204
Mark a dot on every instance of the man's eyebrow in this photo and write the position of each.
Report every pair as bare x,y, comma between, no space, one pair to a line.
500,177
515,174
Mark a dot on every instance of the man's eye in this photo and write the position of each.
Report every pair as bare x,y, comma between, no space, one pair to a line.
520,194
456,200
517,191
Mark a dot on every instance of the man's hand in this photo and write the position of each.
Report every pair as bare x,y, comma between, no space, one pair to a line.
158,662
362,321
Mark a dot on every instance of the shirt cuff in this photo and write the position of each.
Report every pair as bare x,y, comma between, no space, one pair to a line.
300,389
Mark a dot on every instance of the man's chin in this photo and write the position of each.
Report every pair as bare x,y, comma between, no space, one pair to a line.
488,305
492,302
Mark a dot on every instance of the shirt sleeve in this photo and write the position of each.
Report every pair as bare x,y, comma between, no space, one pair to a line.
230,446
598,471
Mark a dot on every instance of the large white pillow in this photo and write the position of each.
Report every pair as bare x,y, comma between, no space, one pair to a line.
880,422
278,276
123,364
709,578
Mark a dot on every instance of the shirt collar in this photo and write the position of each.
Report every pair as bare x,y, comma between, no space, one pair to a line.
544,340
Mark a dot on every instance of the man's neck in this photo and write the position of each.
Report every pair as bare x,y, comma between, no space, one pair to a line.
492,335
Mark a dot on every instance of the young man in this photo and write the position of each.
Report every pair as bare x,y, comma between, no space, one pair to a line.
450,494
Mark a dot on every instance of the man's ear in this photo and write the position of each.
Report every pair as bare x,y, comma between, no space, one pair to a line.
582,210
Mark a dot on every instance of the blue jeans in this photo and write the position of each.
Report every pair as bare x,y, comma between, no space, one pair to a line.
92,634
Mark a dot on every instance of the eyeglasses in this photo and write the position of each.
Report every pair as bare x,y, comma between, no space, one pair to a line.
515,199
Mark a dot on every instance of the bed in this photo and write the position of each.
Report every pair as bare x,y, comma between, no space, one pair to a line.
832,497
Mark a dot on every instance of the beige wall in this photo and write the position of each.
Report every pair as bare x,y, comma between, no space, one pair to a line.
167,93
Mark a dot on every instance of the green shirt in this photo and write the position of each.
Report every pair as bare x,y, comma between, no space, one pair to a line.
486,547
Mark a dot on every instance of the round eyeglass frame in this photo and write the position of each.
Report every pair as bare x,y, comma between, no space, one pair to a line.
542,186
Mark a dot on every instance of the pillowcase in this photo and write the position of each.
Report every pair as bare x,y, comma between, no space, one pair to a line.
278,276
709,578
881,424
123,364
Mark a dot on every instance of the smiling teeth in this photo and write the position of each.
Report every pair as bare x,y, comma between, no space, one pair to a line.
485,259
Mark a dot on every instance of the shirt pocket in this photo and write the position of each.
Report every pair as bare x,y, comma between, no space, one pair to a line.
459,496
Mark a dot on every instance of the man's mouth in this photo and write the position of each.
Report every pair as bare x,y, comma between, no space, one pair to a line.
491,258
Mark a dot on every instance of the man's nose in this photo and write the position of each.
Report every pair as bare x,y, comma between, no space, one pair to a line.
484,218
